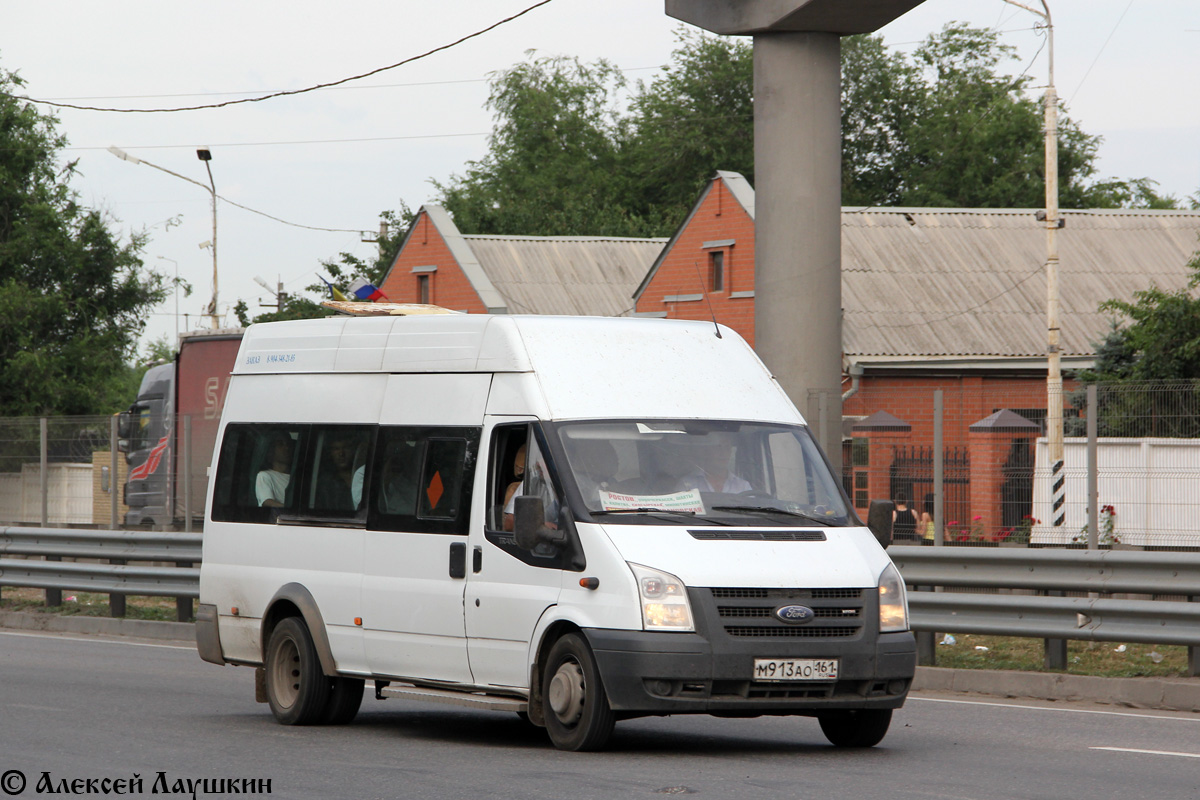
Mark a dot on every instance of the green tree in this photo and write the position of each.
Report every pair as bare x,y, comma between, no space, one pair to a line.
695,118
944,126
73,299
1148,367
552,163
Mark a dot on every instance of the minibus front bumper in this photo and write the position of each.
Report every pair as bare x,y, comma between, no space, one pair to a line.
679,673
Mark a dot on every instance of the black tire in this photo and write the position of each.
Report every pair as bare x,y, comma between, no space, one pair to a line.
297,690
574,704
859,728
345,696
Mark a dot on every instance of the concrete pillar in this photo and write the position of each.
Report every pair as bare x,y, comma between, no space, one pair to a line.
797,265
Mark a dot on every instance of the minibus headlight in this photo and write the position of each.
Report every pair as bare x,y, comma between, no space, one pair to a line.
893,602
663,599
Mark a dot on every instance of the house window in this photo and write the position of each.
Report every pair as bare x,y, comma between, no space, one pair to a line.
424,290
716,271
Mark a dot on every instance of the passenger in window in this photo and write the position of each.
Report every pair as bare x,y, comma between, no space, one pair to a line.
537,484
336,491
711,469
518,469
270,485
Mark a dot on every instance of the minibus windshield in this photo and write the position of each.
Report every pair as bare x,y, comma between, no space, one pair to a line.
716,471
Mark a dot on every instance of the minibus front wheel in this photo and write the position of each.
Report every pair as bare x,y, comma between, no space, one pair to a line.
575,706
864,727
296,688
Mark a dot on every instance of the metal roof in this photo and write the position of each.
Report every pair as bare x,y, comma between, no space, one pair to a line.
921,283
576,275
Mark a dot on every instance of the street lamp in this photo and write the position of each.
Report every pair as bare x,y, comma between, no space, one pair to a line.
204,155
176,263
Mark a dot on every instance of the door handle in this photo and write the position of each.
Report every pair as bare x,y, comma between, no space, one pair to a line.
477,559
458,560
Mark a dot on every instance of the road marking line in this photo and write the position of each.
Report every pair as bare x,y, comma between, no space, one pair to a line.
1044,708
1147,752
64,636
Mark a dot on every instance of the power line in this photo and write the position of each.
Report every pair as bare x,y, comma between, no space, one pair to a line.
1097,58
413,84
289,142
290,92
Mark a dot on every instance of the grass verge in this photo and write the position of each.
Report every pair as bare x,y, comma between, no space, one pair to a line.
1103,659
87,604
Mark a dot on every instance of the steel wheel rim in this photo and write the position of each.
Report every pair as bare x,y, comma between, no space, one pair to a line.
285,673
567,693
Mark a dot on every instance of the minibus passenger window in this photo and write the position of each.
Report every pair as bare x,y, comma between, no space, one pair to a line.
337,470
257,472
422,479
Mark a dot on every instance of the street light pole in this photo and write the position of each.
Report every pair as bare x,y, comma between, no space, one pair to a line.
211,189
1054,388
176,263
205,155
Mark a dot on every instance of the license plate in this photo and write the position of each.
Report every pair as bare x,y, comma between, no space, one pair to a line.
795,669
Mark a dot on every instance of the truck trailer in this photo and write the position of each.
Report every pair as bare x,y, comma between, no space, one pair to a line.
164,488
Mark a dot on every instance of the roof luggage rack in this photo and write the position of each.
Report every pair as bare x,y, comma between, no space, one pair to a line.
356,309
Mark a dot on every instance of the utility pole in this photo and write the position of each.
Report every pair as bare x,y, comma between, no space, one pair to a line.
1054,388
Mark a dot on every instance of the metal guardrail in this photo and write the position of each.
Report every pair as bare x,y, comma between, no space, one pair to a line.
1098,617
116,578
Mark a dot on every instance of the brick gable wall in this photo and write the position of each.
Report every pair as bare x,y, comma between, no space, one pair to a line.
685,269
449,287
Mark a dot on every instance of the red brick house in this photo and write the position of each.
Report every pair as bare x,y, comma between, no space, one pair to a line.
581,275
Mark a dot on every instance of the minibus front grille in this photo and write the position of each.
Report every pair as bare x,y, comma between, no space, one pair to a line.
728,612
782,632
739,593
759,536
837,613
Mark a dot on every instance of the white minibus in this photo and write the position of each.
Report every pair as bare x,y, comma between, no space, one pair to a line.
578,519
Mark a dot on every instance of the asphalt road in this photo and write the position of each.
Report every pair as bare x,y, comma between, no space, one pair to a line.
84,708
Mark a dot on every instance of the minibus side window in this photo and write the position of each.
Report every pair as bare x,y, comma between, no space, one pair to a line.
257,472
421,479
335,472
519,467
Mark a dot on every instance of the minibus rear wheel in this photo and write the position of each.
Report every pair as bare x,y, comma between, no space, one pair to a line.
345,696
864,727
297,690
576,708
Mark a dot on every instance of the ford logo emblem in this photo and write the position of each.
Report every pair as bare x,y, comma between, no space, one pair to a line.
795,615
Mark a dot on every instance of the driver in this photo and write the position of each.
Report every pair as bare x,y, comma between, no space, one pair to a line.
711,471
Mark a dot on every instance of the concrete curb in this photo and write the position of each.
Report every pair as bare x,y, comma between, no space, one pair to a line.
1165,694
108,626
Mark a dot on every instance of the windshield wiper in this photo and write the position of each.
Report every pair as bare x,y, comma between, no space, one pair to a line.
665,511
774,510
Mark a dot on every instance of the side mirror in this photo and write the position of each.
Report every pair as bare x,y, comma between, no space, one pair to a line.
879,520
123,425
529,524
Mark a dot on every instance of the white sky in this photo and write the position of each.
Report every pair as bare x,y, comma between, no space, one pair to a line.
1129,70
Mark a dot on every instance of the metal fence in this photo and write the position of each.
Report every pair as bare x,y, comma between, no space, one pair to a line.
970,457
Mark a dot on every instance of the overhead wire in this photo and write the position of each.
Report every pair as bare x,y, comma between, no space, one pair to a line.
1101,51
291,92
